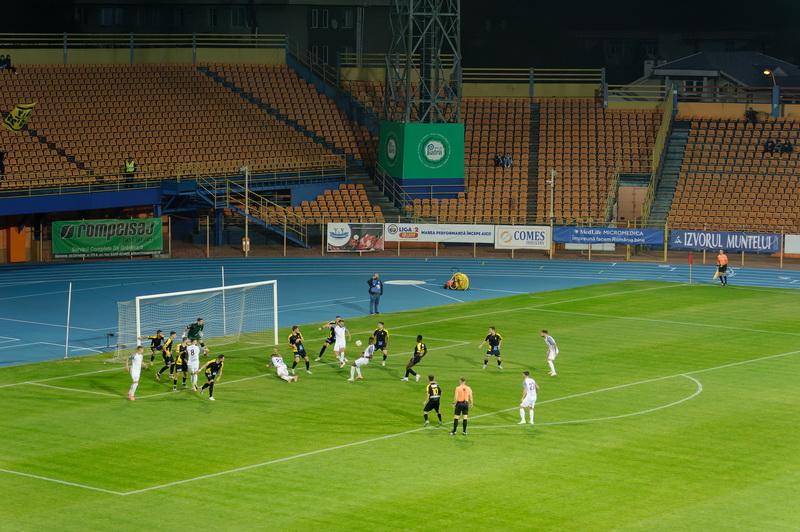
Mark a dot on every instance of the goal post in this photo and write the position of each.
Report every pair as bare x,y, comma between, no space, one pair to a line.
243,313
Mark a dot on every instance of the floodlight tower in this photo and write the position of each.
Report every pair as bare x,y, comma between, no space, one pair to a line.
423,66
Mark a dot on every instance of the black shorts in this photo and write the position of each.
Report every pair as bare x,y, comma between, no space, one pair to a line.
433,404
493,351
300,353
184,367
462,407
168,360
157,350
330,341
380,345
414,360
723,268
210,376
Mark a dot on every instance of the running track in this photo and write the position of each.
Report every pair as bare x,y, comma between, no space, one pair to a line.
33,298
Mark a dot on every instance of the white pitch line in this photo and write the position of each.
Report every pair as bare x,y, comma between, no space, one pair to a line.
437,293
73,389
662,407
61,482
670,322
61,377
62,326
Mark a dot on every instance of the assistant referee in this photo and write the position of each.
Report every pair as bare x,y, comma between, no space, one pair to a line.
462,401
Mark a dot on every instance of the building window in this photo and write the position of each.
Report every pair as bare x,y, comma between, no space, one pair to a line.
237,17
111,16
212,17
80,15
325,54
314,18
730,46
650,48
325,18
180,19
487,25
347,19
314,54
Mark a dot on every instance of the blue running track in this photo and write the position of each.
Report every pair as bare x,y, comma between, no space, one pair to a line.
33,299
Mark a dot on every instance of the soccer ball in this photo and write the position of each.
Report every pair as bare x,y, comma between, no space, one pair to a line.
358,342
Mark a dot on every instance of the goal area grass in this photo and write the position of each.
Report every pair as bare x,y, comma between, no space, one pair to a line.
674,407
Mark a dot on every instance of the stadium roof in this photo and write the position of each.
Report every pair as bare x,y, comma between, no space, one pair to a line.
742,68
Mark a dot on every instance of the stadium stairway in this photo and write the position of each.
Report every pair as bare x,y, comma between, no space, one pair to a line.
52,146
533,163
667,183
374,195
258,102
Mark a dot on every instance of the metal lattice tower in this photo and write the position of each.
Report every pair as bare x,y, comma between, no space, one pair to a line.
423,66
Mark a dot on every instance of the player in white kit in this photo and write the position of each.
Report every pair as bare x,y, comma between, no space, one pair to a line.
339,330
193,361
363,360
134,365
529,391
280,366
552,351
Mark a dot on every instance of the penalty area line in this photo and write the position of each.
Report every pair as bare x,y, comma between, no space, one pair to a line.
38,477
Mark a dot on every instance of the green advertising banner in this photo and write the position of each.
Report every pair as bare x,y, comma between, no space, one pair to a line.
428,152
107,238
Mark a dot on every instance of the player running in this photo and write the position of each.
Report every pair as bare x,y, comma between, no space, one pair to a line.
339,331
155,344
363,360
420,350
552,351
433,395
213,370
280,366
195,332
296,341
493,349
331,339
180,365
169,361
134,365
529,391
381,340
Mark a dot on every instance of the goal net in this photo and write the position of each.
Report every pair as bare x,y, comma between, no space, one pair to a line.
243,313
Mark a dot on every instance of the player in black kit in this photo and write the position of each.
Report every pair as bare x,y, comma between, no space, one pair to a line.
381,336
296,341
432,396
494,340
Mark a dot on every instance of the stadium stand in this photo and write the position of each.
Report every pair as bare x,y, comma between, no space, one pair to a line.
347,203
584,143
282,89
726,182
171,119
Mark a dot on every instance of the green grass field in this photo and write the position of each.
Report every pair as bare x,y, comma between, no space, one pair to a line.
675,408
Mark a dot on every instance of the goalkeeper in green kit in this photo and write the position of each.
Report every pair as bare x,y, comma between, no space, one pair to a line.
195,332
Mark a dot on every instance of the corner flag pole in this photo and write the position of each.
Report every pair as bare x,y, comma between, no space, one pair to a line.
69,309
691,263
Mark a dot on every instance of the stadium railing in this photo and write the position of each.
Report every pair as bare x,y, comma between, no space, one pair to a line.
658,154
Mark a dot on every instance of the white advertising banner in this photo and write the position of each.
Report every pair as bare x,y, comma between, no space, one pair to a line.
791,244
523,237
456,233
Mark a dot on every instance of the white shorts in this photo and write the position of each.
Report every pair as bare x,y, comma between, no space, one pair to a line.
529,401
136,371
361,361
282,371
340,346
193,366
552,354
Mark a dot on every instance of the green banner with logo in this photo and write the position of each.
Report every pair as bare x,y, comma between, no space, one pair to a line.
107,238
427,152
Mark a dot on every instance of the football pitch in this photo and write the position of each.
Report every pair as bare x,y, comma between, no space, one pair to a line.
674,408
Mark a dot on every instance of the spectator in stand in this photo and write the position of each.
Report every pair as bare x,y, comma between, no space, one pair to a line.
769,146
498,161
778,147
751,116
130,167
5,64
508,161
787,147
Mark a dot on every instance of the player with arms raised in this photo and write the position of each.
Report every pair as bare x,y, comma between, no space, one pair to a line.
213,370
280,366
195,332
169,360
363,360
155,344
